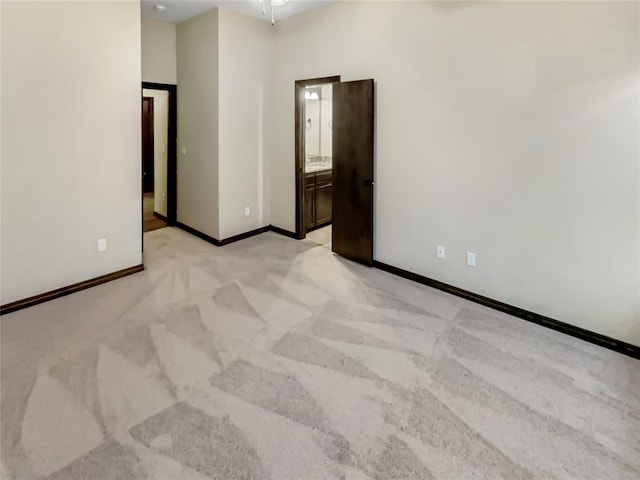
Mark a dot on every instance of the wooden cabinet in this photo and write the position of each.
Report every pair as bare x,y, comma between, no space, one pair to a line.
323,204
317,199
309,207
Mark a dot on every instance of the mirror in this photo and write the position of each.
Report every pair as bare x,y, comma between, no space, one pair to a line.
318,116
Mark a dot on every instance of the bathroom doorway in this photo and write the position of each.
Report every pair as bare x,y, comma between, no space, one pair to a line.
314,176
334,133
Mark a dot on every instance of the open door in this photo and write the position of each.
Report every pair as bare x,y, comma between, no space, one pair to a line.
352,131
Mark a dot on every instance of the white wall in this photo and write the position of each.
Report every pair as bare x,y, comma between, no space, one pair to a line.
505,128
158,51
160,138
326,106
245,66
312,131
197,47
70,157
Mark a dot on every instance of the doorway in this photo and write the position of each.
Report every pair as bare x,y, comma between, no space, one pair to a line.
158,155
153,162
313,163
334,134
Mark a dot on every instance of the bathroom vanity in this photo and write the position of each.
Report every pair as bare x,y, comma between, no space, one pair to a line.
318,160
317,197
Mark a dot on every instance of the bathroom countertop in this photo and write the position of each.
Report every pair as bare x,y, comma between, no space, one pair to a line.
317,168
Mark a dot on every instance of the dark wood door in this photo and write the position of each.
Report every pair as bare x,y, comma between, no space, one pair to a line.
147,144
353,117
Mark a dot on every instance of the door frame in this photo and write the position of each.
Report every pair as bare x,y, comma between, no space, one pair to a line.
300,85
149,178
172,150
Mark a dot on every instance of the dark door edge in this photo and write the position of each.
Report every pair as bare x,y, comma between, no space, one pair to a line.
61,292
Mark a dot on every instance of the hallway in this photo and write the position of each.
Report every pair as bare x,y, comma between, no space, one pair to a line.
150,221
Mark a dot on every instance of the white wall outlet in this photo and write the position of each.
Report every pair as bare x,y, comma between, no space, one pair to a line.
102,244
164,148
184,151
440,251
471,259
247,211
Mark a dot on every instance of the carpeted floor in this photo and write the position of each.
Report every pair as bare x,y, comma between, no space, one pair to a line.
272,358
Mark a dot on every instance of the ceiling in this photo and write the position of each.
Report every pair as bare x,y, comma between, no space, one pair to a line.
177,11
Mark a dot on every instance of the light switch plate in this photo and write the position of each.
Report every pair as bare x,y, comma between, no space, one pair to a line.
102,244
440,251
247,211
471,259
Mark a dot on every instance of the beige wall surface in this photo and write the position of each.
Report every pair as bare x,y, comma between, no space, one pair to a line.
197,47
245,63
326,106
70,155
160,138
158,51
312,127
508,129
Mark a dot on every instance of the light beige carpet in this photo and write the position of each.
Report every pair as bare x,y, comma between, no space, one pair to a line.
272,358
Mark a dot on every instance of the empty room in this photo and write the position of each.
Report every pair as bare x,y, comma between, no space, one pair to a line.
319,239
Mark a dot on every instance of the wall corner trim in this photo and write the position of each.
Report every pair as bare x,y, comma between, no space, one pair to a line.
562,327
235,238
69,289
282,231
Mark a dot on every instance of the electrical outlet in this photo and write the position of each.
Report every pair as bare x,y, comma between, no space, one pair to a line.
102,244
184,151
440,251
471,259
247,211
164,148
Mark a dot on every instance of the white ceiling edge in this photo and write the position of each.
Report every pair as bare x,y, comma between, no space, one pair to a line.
177,11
